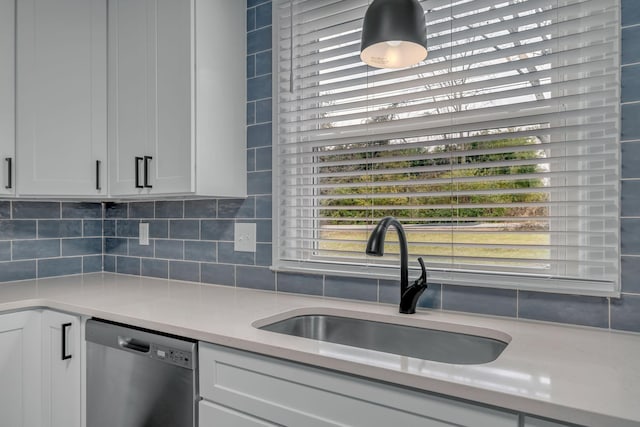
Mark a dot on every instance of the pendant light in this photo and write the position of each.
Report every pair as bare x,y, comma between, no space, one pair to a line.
394,34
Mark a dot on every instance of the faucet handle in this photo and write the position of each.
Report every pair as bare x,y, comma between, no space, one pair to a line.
422,280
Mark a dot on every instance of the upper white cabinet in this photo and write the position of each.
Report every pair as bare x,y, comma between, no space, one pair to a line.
7,96
177,95
61,97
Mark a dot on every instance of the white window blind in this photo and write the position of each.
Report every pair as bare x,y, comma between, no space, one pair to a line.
499,153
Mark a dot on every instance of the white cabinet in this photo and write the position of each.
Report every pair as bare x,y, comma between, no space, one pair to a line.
177,93
538,422
61,97
61,384
212,415
20,369
40,384
7,96
285,393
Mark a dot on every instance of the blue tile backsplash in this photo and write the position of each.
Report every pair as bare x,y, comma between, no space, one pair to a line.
193,240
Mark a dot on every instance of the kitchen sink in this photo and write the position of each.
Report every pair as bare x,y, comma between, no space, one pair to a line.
422,343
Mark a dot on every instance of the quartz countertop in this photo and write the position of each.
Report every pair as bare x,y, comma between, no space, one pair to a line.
580,375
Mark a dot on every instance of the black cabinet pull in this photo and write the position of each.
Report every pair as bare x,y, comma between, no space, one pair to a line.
98,186
65,356
9,161
147,159
138,160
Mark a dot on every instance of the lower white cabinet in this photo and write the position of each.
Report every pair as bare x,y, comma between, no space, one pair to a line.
255,390
40,369
538,422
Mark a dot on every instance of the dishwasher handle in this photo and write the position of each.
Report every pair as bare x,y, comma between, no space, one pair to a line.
134,344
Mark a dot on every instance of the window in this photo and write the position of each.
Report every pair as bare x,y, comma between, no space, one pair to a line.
499,153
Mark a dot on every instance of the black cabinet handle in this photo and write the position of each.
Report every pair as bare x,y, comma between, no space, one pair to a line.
98,164
65,356
147,159
138,160
9,161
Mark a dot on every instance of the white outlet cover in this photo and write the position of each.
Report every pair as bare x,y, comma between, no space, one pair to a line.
245,237
143,234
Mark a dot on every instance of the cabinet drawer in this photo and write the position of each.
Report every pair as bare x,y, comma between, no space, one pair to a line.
212,415
293,394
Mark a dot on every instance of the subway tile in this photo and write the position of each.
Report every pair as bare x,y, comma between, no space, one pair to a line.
141,210
5,251
259,87
263,159
217,229
35,210
251,66
236,208
218,274
128,265
630,198
630,45
263,230
87,246
251,113
170,249
55,228
155,268
630,153
205,208
574,309
308,284
497,302
127,227
630,82
5,209
83,210
625,313
17,270
629,122
31,249
251,19
116,210
136,249
200,251
259,40
92,264
158,228
263,66
252,3
109,228
259,183
183,270
264,111
259,135
630,236
115,246
109,263
227,255
630,274
184,229
251,160
264,206
255,278
263,254
169,209
389,293
59,266
263,15
359,288
91,227
630,12
17,229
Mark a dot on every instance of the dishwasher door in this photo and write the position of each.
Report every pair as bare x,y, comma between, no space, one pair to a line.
139,379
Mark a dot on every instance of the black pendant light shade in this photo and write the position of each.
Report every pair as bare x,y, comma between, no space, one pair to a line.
394,34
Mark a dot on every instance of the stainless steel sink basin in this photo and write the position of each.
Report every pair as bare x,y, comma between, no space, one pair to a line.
421,343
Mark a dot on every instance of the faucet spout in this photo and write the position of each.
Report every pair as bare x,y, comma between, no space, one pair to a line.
375,246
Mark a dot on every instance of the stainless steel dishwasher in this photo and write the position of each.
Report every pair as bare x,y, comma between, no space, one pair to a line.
136,378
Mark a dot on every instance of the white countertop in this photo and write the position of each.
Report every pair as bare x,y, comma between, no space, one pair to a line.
581,375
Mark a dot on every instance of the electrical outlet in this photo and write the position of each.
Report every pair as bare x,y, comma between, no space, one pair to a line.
143,234
245,237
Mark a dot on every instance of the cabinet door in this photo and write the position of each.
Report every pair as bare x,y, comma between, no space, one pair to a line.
212,415
150,111
61,387
7,95
538,422
61,96
19,369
